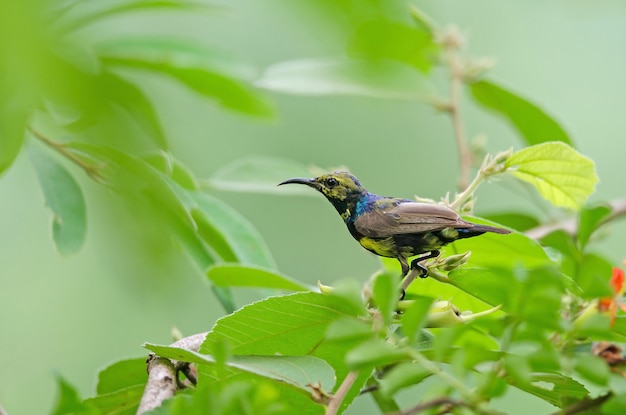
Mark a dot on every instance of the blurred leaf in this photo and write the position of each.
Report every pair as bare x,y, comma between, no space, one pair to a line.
519,221
590,218
385,79
593,276
414,317
174,52
192,64
297,371
68,401
168,165
554,388
121,402
259,174
80,14
383,39
562,175
592,368
132,99
348,328
64,197
242,238
122,374
13,119
401,376
532,294
385,295
616,405
375,353
531,122
235,275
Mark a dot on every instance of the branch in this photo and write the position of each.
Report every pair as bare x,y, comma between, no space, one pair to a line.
163,374
618,209
161,384
91,170
448,402
584,405
338,397
465,157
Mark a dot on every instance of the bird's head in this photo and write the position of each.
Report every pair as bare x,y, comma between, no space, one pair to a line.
340,188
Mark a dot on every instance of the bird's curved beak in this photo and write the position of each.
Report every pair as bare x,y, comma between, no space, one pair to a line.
300,180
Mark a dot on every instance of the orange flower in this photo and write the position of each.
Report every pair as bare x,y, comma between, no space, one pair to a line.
611,304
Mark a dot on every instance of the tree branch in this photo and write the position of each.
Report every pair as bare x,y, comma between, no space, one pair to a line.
339,396
91,170
161,384
448,402
584,405
163,374
618,209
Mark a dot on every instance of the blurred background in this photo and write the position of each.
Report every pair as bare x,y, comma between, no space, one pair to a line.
129,284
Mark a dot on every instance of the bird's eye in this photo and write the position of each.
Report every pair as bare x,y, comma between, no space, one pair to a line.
331,182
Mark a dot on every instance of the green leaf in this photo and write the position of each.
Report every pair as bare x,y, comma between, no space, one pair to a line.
592,368
385,294
64,196
259,174
414,316
554,388
348,329
68,401
531,122
562,176
297,371
375,353
74,18
402,375
589,220
13,119
291,325
593,276
132,99
122,374
384,79
194,65
382,39
121,402
235,275
242,238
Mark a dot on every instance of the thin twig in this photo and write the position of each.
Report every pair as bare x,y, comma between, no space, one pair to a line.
163,374
91,170
465,156
339,396
430,404
584,405
618,209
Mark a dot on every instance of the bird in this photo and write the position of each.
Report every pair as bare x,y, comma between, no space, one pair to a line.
393,227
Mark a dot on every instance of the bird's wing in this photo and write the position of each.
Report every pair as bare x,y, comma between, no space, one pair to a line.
409,217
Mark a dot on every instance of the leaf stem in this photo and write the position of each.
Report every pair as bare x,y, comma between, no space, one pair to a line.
91,170
342,391
454,109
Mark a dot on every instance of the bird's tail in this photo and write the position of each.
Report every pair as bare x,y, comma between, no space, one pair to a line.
487,228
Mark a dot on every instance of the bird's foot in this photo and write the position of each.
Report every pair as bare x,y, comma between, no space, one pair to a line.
421,270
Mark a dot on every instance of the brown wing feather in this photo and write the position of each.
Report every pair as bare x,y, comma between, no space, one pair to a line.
409,217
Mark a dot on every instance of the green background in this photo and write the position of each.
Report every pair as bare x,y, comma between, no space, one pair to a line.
130,284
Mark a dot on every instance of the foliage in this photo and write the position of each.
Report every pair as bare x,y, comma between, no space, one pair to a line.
524,311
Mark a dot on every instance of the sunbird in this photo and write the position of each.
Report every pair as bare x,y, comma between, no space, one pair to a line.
393,227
